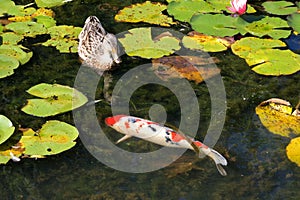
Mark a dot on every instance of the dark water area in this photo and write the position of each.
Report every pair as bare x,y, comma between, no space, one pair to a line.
258,167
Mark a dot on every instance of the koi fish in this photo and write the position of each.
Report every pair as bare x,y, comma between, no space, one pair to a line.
162,135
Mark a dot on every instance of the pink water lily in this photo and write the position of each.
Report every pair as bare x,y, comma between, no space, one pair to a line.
238,6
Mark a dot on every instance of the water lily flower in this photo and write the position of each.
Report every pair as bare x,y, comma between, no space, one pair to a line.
238,6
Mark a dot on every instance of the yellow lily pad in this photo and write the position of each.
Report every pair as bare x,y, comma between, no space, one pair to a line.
149,12
139,42
277,118
56,99
54,137
198,41
293,151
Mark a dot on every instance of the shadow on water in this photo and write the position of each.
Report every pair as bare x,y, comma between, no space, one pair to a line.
258,167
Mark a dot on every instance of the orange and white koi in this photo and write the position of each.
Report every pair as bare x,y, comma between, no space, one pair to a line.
159,134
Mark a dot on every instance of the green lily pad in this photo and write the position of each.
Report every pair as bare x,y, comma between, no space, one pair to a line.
184,10
266,60
30,29
16,52
6,128
294,21
139,42
274,62
279,7
47,21
50,3
9,7
149,12
218,25
271,26
278,118
7,65
249,45
207,43
64,38
56,99
11,38
54,137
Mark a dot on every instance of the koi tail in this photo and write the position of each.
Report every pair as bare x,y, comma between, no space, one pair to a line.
217,158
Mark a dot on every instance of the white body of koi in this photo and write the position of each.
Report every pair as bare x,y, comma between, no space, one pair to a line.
159,134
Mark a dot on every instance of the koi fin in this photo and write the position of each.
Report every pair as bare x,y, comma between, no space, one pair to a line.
218,158
123,138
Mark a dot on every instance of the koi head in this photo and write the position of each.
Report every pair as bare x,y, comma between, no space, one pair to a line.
111,121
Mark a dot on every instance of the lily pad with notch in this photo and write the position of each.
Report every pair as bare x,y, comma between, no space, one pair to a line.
139,42
54,137
271,26
264,58
56,99
198,41
149,12
218,25
279,7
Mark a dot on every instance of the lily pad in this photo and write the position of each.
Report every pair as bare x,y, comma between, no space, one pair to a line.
271,26
274,62
184,10
198,41
149,12
6,128
218,25
9,7
17,52
139,42
50,3
279,7
188,67
31,13
64,38
266,60
30,29
294,21
46,21
11,38
54,137
56,99
7,65
293,151
278,119
10,154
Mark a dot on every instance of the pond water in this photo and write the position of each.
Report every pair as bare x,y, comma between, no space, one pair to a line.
258,167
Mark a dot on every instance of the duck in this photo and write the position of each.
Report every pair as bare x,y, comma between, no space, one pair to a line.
97,48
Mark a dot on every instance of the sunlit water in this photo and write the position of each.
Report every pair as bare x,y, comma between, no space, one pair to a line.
258,166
